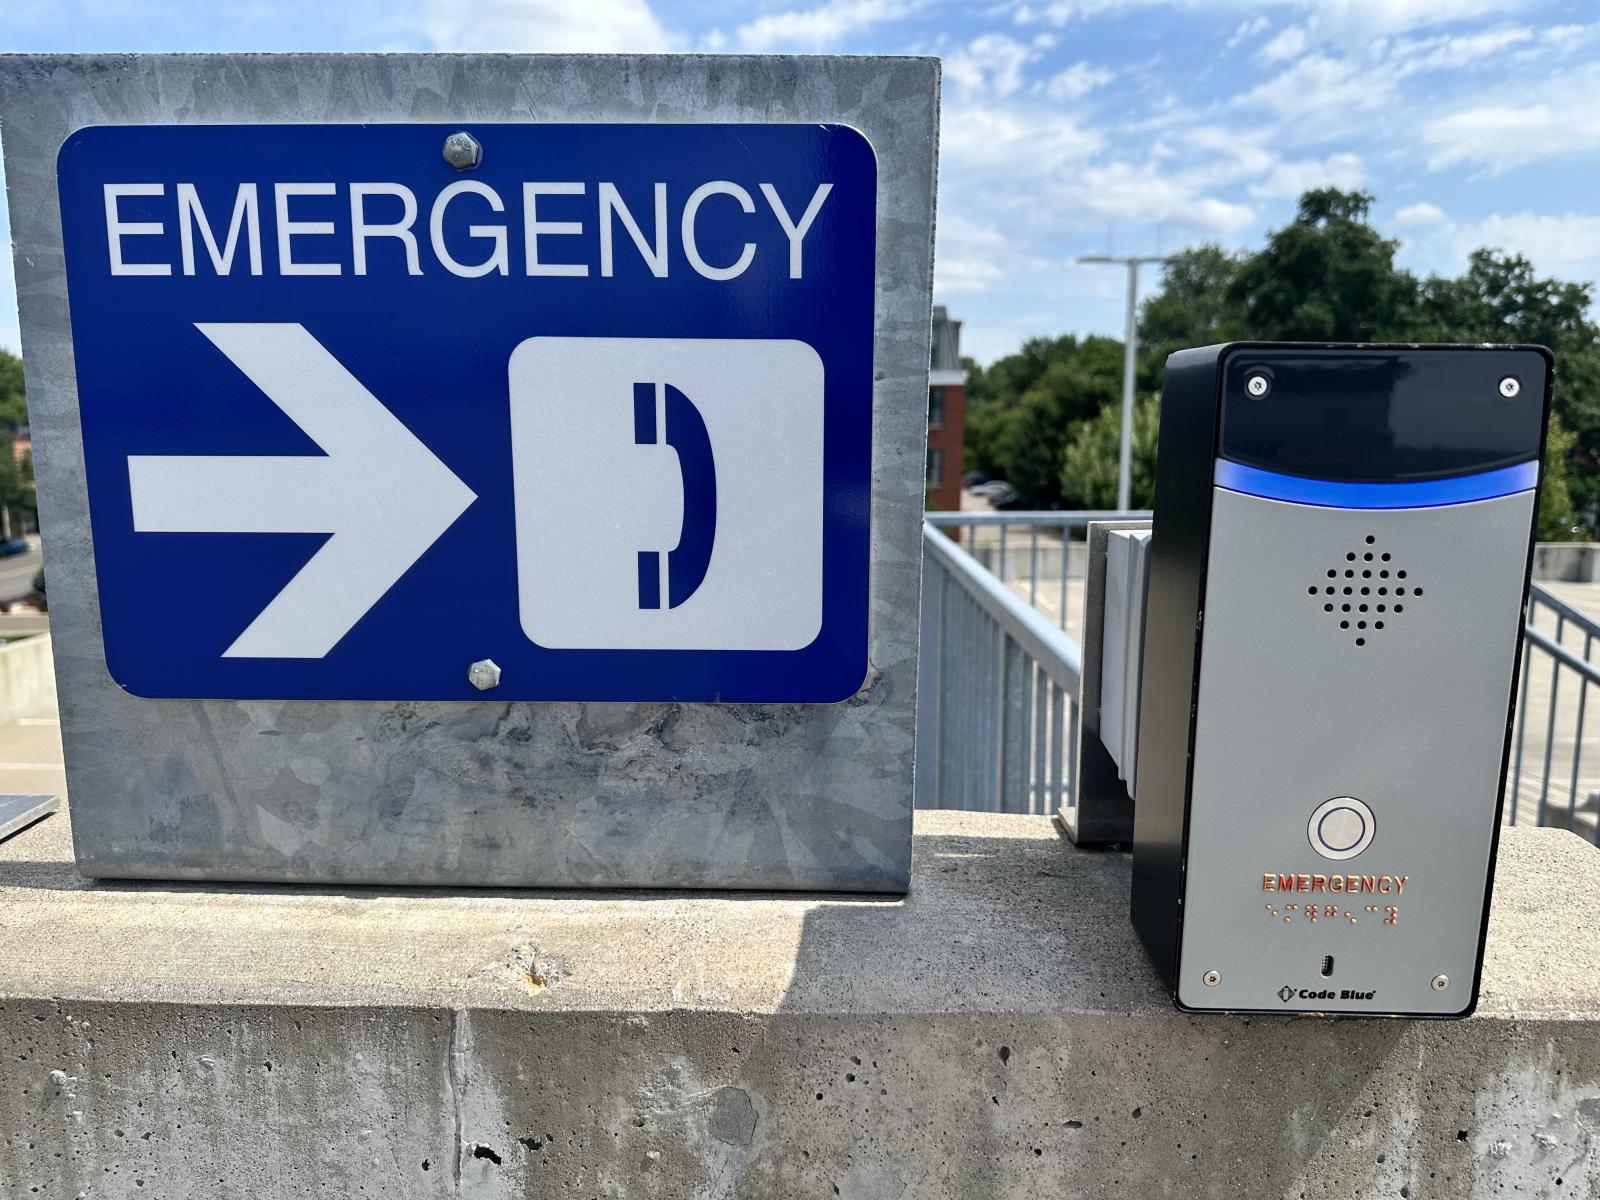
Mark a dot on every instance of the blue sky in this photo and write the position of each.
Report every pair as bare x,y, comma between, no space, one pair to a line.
1071,125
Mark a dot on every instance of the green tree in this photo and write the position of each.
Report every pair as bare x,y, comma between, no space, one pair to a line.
1031,403
993,393
13,399
1558,516
1089,467
1195,307
1326,276
16,474
1500,299
1046,417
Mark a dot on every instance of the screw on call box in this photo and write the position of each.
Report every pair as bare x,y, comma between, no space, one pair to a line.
1338,574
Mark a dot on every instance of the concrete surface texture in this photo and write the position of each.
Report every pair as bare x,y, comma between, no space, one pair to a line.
995,1034
707,795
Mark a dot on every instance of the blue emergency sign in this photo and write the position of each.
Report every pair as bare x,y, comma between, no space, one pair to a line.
597,408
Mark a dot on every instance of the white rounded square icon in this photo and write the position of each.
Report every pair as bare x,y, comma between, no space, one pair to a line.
668,492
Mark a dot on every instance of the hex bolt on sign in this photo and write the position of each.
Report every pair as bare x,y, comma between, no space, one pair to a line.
484,674
1510,386
1211,978
1440,982
1258,386
462,151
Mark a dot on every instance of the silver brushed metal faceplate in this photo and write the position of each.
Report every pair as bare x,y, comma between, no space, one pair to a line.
1355,677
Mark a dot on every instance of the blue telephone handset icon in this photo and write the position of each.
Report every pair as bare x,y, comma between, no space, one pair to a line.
685,432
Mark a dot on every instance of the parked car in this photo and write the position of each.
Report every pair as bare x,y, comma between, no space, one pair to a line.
973,478
1005,497
13,546
990,486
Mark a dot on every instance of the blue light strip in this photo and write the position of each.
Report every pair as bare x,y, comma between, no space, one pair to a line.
1332,493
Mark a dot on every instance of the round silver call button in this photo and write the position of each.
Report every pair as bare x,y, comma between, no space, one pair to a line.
1341,828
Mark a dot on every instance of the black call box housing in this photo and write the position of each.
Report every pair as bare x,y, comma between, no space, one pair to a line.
1336,588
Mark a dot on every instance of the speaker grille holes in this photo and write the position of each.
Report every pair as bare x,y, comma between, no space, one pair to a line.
1350,589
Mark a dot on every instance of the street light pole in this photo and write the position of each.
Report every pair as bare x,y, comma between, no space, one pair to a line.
1129,346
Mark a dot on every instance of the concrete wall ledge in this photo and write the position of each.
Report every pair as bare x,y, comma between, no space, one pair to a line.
996,1034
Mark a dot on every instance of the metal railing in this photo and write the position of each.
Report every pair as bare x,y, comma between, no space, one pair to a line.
1548,783
1033,552
998,700
997,709
997,705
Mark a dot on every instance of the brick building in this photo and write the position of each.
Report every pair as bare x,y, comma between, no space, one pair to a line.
947,413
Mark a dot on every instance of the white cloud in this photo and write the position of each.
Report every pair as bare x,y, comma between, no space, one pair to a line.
1023,184
543,25
1346,21
961,276
1144,194
968,257
1029,142
1287,180
1077,81
992,64
1247,30
1412,56
1291,43
1216,155
1569,37
820,27
1420,215
1558,118
1320,96
1355,21
1567,245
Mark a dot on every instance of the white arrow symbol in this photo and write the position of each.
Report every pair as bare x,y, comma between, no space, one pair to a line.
380,492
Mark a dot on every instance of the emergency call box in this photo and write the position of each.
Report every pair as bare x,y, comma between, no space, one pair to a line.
1336,588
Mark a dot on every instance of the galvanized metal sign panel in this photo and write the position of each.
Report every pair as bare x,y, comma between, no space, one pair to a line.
362,406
